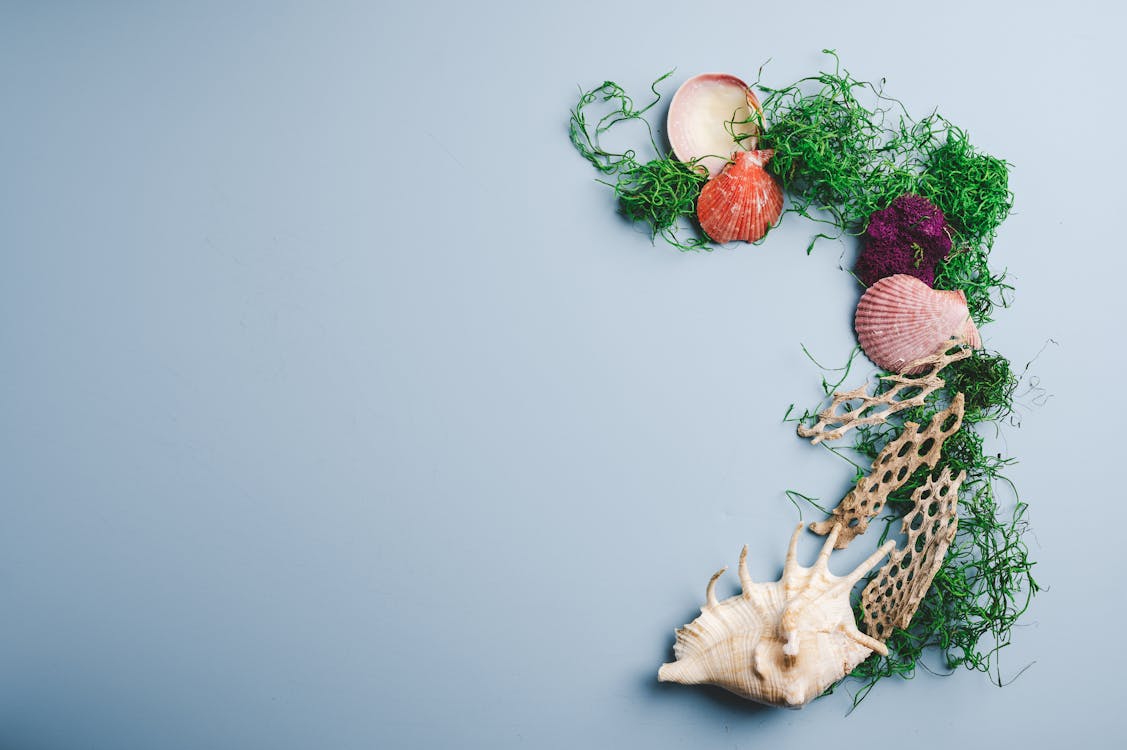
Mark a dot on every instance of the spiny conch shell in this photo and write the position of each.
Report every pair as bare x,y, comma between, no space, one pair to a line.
705,115
742,202
780,643
900,319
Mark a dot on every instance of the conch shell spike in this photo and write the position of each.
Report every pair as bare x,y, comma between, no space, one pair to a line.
823,561
745,576
791,562
866,641
788,624
869,563
710,592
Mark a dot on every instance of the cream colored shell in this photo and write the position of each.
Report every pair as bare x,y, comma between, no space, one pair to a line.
780,643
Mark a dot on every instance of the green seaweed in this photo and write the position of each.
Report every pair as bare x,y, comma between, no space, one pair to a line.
972,189
987,382
844,149
834,153
661,192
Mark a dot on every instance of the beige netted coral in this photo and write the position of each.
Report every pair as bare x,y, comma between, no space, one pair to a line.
844,414
892,597
917,446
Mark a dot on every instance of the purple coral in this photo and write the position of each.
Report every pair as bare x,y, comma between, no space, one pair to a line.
910,236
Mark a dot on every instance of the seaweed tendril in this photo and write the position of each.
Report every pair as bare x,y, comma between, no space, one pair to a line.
661,192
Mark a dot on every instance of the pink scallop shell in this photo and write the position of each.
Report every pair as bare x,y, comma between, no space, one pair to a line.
901,319
742,202
698,114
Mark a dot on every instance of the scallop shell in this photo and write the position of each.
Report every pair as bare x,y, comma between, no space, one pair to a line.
742,202
900,319
701,114
780,643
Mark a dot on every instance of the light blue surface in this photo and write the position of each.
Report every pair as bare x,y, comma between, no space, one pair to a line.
339,410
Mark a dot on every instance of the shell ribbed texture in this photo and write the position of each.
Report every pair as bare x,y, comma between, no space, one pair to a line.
743,201
900,320
780,643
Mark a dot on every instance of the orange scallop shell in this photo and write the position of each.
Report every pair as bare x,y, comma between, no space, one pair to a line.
900,319
741,202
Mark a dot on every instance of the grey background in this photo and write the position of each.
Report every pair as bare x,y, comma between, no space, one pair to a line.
340,410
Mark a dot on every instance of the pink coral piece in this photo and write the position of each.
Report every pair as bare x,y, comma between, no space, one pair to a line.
900,319
741,202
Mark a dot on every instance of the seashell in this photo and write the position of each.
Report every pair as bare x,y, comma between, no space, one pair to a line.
742,202
705,113
900,319
780,643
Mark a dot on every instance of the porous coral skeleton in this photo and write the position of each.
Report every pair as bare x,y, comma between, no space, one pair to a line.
855,408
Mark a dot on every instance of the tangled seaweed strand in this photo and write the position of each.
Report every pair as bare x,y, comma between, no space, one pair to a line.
971,189
662,192
833,153
987,382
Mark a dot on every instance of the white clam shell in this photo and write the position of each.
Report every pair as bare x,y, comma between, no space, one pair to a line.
701,114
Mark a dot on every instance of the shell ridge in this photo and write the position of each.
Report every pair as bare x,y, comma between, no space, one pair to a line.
741,202
900,319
